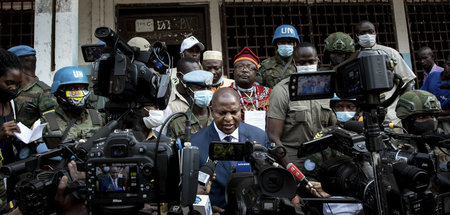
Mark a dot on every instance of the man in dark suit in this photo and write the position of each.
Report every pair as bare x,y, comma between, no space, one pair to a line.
113,182
227,127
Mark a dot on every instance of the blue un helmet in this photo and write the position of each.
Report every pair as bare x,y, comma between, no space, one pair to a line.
285,31
68,75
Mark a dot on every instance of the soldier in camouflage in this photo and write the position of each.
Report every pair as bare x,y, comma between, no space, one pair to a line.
34,97
339,47
418,110
199,84
71,120
280,66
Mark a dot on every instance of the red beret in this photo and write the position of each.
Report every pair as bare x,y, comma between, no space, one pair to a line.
247,54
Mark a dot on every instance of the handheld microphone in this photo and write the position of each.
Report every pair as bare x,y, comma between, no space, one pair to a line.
206,172
298,174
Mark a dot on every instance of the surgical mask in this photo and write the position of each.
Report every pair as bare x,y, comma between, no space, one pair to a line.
344,116
367,40
424,127
77,98
285,50
202,97
308,68
7,95
154,119
105,169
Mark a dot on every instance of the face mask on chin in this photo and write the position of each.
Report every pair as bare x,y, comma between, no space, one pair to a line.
367,40
308,68
7,95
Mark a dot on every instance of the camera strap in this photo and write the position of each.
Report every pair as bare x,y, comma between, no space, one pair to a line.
284,69
70,125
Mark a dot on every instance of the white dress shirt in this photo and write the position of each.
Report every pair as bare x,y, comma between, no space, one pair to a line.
234,135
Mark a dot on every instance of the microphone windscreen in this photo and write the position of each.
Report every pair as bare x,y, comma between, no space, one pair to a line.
354,126
209,168
295,171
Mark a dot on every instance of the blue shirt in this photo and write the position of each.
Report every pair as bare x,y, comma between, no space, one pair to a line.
432,85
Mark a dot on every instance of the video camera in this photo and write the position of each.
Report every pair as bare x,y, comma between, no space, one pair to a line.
134,161
125,74
405,174
266,190
369,73
145,171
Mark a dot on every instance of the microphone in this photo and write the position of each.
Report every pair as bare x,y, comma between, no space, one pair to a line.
354,126
298,174
206,172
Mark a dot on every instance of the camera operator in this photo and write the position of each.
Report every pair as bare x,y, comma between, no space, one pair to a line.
295,122
226,127
418,110
199,84
71,119
345,110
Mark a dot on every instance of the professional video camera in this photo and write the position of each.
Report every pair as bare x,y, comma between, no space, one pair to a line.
267,190
146,171
377,180
35,195
405,174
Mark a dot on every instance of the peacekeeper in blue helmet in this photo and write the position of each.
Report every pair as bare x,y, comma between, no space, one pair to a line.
345,109
280,66
71,120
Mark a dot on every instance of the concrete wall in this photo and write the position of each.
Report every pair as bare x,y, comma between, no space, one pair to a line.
102,13
96,13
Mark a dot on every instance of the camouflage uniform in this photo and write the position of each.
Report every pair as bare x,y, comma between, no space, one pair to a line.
32,101
302,120
83,128
271,69
178,125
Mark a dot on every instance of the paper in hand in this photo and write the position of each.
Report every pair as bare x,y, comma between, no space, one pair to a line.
27,135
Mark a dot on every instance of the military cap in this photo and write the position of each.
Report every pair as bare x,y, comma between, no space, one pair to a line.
247,54
22,50
199,77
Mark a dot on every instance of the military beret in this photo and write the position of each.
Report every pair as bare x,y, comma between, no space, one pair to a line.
199,77
22,50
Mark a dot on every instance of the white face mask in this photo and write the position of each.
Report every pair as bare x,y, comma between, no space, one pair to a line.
308,68
367,40
154,119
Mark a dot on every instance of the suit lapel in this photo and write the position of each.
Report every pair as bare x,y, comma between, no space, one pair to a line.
242,132
213,135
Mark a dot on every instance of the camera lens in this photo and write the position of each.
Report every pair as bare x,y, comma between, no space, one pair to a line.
411,177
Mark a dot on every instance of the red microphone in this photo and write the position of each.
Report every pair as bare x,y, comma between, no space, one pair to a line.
298,174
